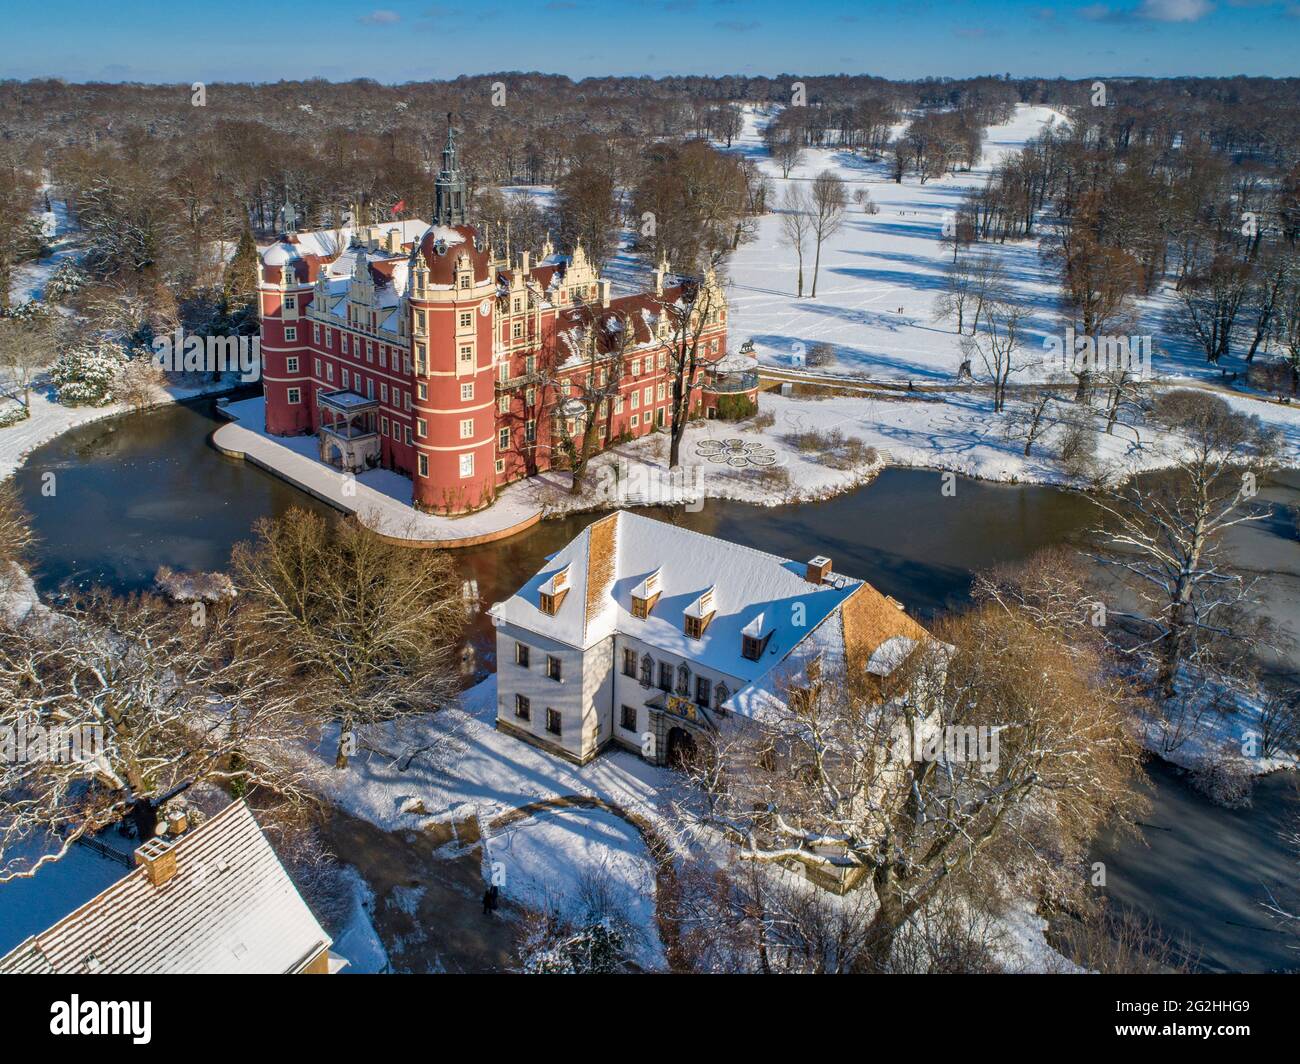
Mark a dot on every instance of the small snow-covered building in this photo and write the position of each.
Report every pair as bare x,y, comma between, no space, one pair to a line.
211,899
645,635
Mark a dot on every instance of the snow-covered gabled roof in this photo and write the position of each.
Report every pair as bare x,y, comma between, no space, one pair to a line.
229,908
615,555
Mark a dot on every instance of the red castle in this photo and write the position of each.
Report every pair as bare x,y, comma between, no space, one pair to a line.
417,348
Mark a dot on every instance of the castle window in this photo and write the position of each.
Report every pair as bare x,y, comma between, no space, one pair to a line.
290,302
467,428
703,690
530,432
343,343
316,366
720,695
628,718
467,391
383,426
521,654
329,338
329,372
383,392
503,440
517,330
290,333
294,395
370,389
647,670
423,464
683,679
315,334
503,405
466,466
422,390
554,668
523,710
636,420
466,318
421,427
291,364
464,280
346,378
553,721
629,662
500,465
665,676
466,354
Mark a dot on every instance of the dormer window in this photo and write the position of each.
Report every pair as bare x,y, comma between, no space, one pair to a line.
645,595
754,637
699,613
552,592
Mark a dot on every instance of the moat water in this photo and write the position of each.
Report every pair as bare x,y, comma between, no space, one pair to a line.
133,493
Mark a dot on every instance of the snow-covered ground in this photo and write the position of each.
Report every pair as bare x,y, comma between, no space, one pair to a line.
27,281
880,274
545,858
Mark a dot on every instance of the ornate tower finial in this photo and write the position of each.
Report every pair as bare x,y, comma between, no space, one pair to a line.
450,195
290,216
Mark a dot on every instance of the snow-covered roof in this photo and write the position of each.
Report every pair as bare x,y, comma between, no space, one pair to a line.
613,557
229,908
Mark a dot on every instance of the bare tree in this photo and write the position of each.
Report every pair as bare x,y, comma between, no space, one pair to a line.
370,628
796,221
828,201
836,780
28,344
1030,416
998,348
136,701
1168,532
694,310
599,344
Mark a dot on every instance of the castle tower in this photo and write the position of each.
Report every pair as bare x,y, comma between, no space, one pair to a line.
450,197
452,314
283,295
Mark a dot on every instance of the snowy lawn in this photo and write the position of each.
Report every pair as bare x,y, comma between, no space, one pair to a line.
880,274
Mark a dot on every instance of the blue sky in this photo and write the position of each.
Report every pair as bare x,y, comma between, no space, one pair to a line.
391,41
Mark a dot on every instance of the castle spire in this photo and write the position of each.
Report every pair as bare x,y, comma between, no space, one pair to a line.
449,191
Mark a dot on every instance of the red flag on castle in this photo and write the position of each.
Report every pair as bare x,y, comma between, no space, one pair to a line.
398,207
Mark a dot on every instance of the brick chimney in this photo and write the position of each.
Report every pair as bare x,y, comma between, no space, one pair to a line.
604,294
158,858
819,568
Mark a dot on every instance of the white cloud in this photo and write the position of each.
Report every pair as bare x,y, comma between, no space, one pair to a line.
1174,10
380,18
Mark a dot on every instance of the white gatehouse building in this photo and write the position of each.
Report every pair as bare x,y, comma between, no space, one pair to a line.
645,635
